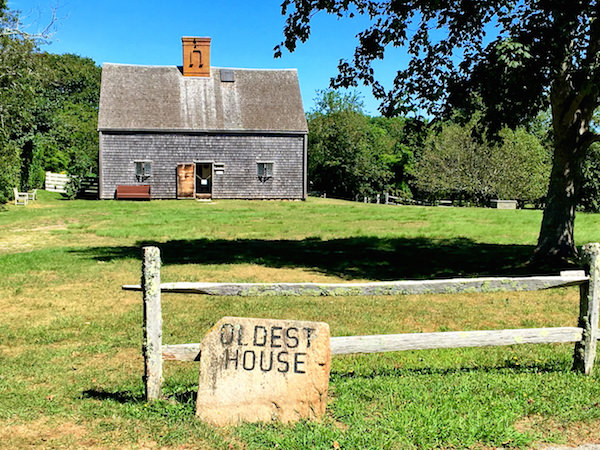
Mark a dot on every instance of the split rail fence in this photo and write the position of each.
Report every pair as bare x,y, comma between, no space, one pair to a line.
584,335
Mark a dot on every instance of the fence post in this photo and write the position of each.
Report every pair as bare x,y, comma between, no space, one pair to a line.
152,347
387,198
589,296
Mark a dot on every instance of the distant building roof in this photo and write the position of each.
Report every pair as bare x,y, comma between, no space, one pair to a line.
160,98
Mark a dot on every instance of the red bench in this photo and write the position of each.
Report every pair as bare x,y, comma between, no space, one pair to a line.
135,192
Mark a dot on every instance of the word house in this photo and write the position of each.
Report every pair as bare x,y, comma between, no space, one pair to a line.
262,370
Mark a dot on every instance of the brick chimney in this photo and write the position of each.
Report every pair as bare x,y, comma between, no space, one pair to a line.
196,56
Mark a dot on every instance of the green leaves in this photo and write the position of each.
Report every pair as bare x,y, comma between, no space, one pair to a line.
48,110
352,154
16,96
460,163
512,53
67,113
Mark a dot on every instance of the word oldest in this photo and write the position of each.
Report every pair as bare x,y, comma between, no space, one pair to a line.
262,336
281,345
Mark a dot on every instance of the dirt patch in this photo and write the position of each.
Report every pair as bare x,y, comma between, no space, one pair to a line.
87,300
58,226
21,240
575,433
10,351
43,433
126,360
34,236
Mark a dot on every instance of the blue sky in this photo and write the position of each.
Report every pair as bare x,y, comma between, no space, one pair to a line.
243,35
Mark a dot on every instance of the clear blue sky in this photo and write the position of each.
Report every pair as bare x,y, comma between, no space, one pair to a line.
243,35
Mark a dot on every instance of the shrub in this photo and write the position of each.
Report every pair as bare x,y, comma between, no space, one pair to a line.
460,163
525,166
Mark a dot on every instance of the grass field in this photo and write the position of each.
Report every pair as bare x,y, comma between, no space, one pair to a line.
70,338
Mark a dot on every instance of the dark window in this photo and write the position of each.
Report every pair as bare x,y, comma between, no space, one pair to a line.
143,170
264,170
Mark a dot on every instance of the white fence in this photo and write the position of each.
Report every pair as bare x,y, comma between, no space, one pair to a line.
56,182
584,335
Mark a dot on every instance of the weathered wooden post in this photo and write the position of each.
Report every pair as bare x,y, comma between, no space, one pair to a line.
585,350
387,198
152,347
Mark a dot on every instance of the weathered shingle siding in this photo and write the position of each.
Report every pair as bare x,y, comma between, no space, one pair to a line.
239,154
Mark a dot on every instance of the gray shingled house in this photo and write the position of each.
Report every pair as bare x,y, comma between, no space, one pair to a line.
202,132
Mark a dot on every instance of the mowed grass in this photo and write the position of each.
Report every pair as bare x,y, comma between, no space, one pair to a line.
70,338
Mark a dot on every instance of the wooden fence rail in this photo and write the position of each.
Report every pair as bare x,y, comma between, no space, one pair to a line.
585,335
451,286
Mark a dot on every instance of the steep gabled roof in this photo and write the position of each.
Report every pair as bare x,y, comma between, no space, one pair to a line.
160,98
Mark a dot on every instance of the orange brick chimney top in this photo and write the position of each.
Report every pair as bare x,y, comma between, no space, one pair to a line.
196,56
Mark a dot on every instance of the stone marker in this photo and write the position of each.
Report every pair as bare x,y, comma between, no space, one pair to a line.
260,370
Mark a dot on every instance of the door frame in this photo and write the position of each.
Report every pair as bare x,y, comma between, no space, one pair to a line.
212,177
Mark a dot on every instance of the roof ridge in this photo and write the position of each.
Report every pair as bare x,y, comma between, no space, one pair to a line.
291,69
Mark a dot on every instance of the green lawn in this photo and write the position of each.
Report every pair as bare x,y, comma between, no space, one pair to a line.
70,338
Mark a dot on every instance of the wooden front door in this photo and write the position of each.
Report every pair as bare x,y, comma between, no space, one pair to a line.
185,180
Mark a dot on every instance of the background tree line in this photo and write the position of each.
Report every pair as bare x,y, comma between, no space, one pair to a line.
48,110
352,154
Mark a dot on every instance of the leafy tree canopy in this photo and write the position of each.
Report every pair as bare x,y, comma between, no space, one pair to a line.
16,96
48,109
459,163
350,153
495,46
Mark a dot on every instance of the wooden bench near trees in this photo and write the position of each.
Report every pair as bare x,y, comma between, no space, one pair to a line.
133,192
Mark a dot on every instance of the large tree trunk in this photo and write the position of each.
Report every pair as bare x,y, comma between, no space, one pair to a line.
556,240
571,116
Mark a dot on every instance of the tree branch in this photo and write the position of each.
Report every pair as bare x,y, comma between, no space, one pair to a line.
589,138
593,49
12,26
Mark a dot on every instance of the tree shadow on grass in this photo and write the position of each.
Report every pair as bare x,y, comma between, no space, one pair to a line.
120,397
507,367
188,394
370,258
184,395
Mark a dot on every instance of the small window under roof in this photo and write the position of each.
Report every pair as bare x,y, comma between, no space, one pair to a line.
227,76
